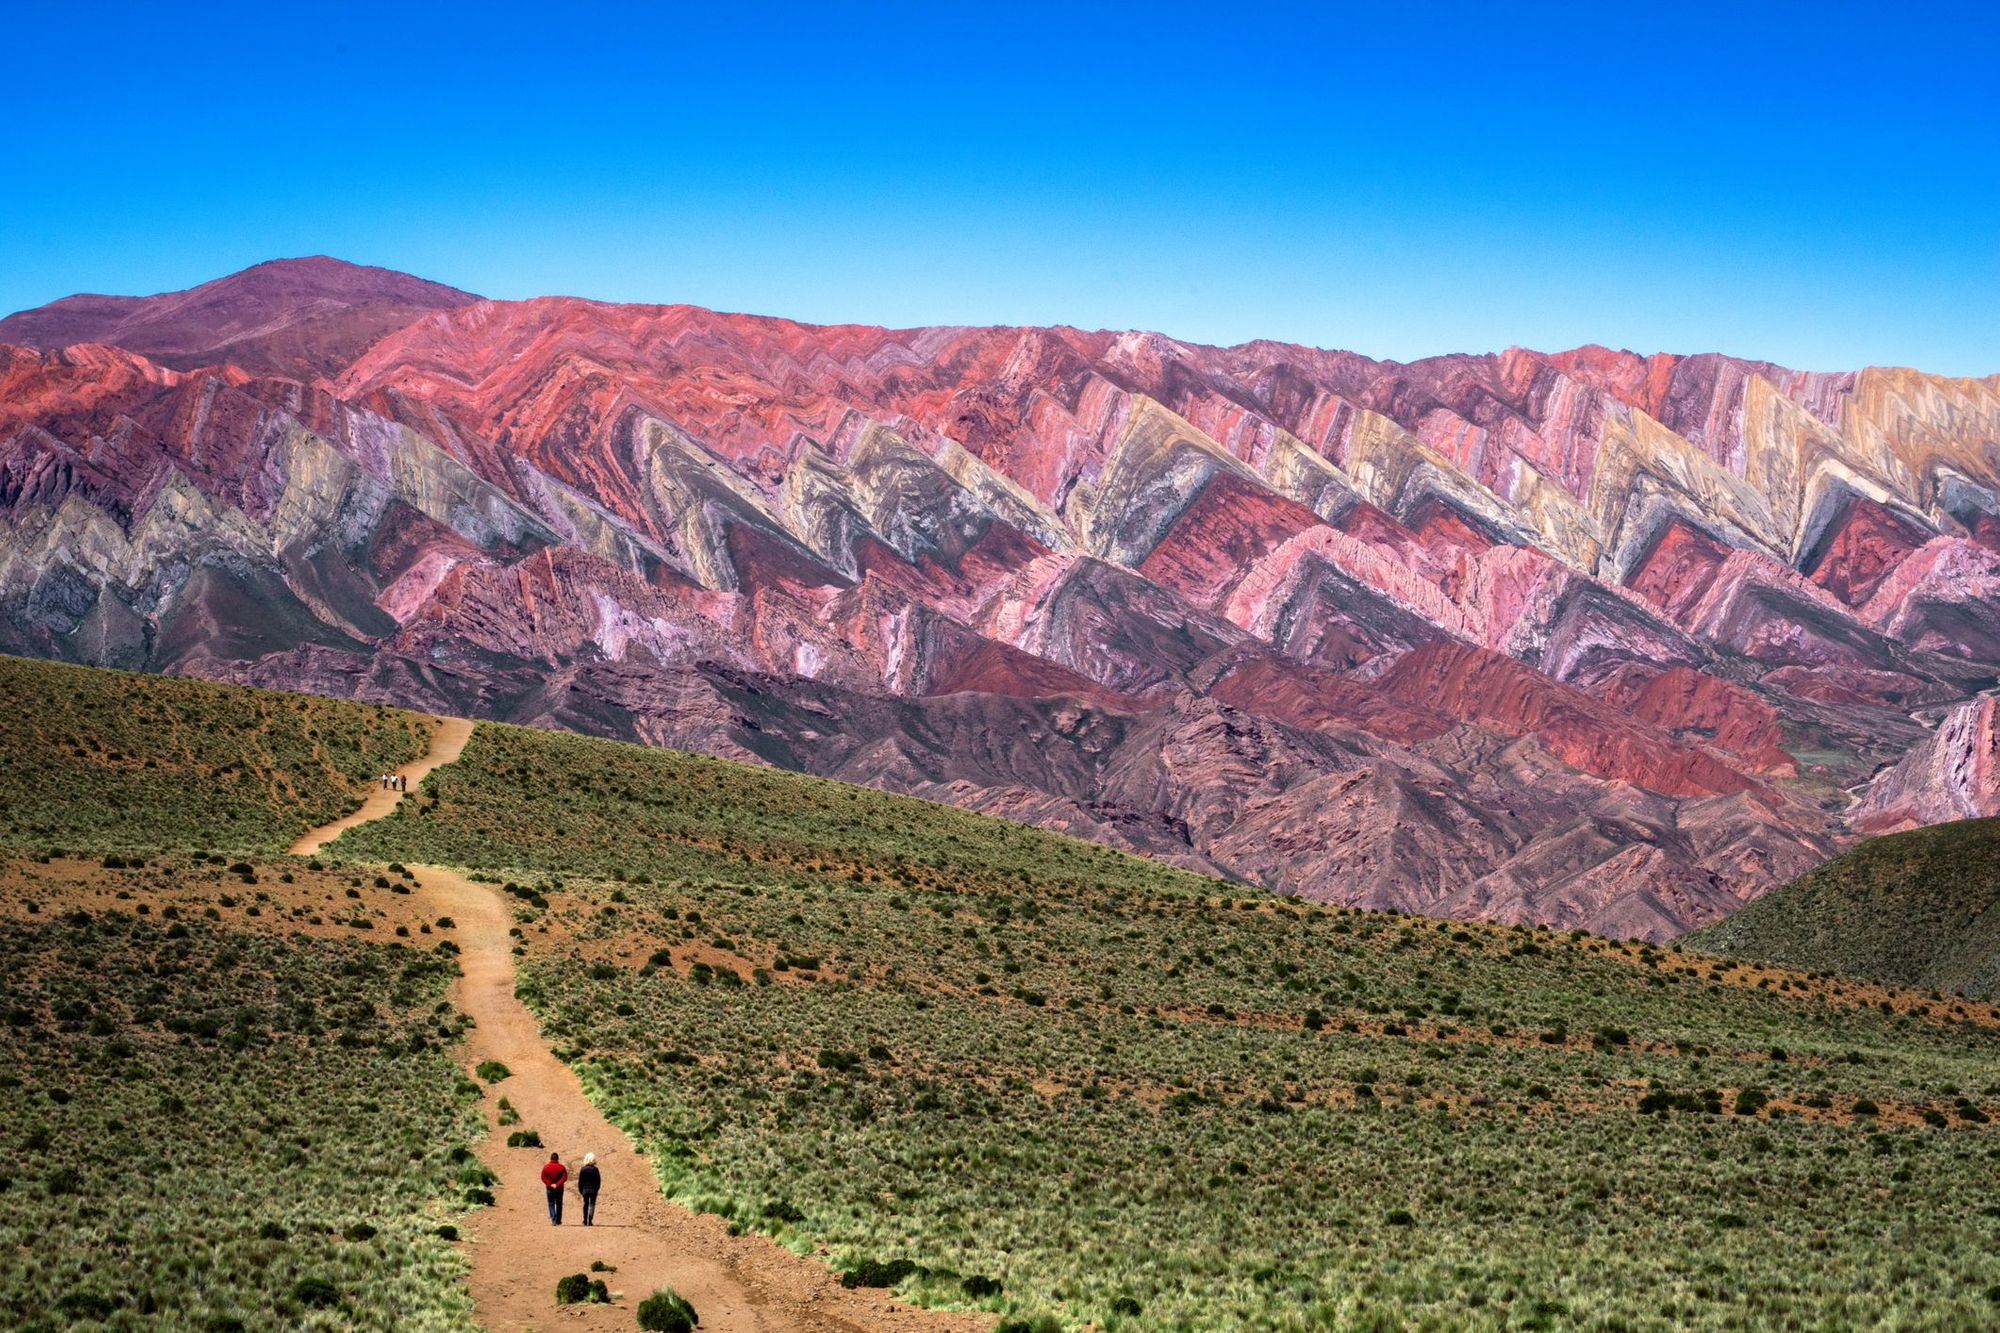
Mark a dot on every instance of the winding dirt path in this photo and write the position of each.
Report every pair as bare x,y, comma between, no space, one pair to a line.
738,1284
448,738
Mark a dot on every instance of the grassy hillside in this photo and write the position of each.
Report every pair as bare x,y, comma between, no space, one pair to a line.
214,1129
115,760
524,797
989,1065
1916,908
215,1112
1012,1071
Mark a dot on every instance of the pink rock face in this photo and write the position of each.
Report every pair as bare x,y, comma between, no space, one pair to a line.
1864,547
1680,570
1590,638
1954,773
1706,711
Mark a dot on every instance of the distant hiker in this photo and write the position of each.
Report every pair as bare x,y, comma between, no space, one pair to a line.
554,1175
587,1181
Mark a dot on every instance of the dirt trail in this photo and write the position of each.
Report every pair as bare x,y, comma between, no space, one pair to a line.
738,1284
448,737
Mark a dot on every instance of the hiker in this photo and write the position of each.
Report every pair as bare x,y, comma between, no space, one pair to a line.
554,1175
587,1181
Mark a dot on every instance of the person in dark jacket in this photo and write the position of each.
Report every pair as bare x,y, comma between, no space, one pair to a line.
554,1176
587,1181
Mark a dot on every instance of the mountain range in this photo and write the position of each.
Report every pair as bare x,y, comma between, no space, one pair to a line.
1587,638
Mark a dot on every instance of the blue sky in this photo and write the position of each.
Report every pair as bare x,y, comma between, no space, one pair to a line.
1813,184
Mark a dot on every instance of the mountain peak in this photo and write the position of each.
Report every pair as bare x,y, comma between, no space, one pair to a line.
325,275
307,317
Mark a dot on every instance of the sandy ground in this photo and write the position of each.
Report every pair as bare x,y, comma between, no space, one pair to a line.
738,1284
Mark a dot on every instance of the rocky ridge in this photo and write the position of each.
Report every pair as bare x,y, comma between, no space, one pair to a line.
1588,638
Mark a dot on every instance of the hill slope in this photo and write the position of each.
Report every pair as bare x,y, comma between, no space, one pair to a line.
978,1058
113,760
1920,908
997,1068
159,1004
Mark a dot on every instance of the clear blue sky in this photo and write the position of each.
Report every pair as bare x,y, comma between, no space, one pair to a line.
1814,184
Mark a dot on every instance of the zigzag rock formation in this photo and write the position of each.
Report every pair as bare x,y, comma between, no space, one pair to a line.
1590,638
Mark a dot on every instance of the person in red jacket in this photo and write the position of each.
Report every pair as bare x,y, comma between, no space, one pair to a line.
554,1176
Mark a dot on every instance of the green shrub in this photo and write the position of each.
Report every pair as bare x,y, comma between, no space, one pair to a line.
316,1292
875,1273
667,1311
86,1305
492,1071
572,1290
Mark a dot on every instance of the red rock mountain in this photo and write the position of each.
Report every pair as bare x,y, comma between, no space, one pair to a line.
297,317
1587,638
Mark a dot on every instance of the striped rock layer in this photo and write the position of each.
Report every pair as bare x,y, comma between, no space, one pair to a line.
1588,638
